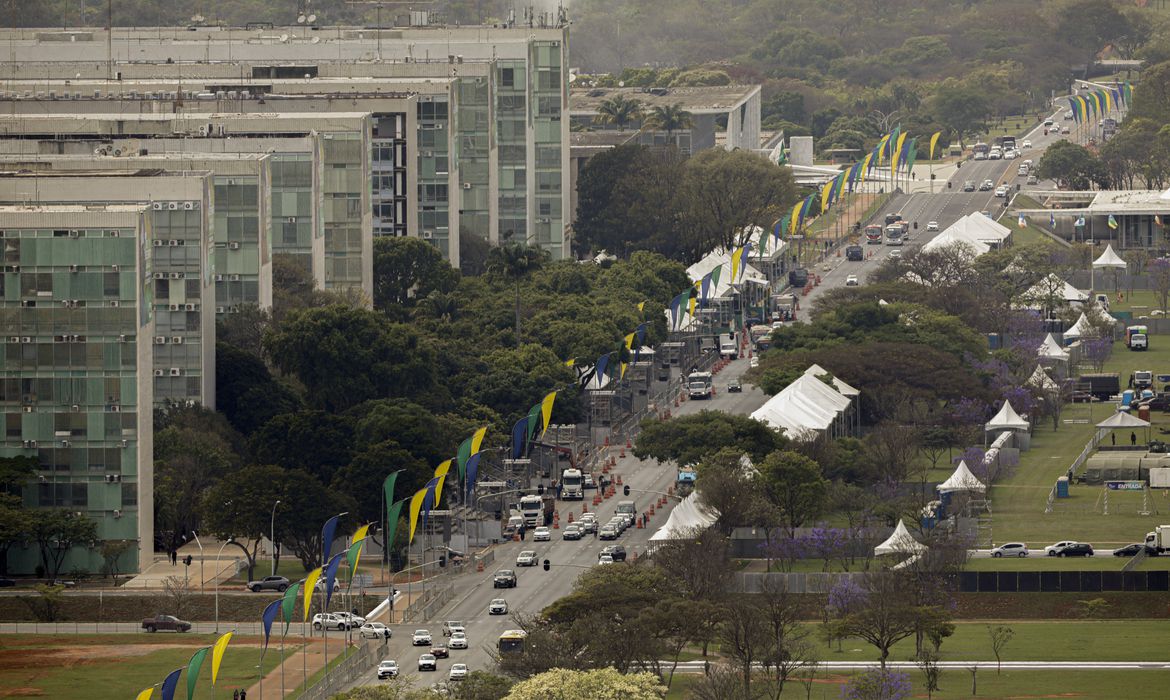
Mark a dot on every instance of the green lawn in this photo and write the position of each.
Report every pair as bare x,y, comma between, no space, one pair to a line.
119,667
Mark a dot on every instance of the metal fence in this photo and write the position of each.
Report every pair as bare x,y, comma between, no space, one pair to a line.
1090,446
430,602
341,676
1062,581
755,582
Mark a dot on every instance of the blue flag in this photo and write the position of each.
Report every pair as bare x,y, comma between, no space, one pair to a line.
327,534
330,575
519,438
602,365
170,683
472,471
268,618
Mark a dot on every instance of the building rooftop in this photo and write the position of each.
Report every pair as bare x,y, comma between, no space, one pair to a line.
601,139
96,172
697,100
110,208
1130,202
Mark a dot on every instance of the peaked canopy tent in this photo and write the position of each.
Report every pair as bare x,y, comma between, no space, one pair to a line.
1050,290
1125,421
1051,350
1110,261
1081,329
1007,419
901,542
808,407
961,480
1040,380
687,518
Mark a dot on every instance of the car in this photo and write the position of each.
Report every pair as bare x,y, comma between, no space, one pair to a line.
896,254
1081,396
607,532
1157,403
527,558
994,154
375,630
1011,154
1028,162
458,672
754,362
1077,549
269,583
605,559
616,551
1011,549
851,281
542,534
504,578
587,481
440,651
387,669
1026,144
1130,550
1001,191
734,386
354,621
1064,130
986,186
588,524
980,155
458,640
931,225
421,638
450,627
572,532
427,662
1047,122
165,623
777,325
1068,115
7,583
498,606
968,186
1033,180
1053,550
330,621
320,587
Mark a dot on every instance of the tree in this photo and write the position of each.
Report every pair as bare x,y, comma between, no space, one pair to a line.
619,111
927,662
56,531
626,201
882,615
890,450
13,526
407,269
732,490
1087,25
697,562
481,685
511,262
15,473
309,505
1159,271
242,330
1072,165
962,109
317,441
598,684
878,684
112,551
669,118
1000,636
688,439
796,486
789,648
744,637
239,507
246,392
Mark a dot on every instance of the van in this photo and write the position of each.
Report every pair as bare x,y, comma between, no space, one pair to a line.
1022,170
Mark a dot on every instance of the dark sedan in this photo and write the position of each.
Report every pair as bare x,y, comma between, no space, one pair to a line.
1076,549
1130,550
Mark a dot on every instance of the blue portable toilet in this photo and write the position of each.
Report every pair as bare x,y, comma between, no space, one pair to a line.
1126,399
1062,487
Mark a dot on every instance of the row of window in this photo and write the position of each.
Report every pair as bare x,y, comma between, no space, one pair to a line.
76,495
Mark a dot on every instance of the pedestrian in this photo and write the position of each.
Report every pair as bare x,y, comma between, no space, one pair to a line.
243,695
174,557
1113,439
1133,438
236,694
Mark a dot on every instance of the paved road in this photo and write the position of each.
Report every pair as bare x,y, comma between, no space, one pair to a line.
537,588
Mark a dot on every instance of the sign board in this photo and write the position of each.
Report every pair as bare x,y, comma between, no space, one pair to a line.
1160,478
1125,485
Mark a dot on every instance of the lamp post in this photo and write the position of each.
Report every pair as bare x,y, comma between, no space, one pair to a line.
217,556
201,579
272,535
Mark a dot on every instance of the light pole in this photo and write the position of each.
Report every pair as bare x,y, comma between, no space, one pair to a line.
217,556
201,579
272,535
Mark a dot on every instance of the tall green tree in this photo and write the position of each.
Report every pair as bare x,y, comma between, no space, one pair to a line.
961,108
512,262
626,201
669,118
56,531
1073,166
688,439
407,269
1086,26
797,487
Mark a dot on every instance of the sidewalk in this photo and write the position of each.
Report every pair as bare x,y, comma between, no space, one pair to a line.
202,573
297,665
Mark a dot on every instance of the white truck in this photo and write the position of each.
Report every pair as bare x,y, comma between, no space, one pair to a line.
727,347
572,485
699,385
537,510
1159,540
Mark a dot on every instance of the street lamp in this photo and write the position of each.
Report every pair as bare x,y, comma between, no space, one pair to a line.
230,540
272,535
201,579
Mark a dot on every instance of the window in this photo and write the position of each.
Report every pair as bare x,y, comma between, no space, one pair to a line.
507,77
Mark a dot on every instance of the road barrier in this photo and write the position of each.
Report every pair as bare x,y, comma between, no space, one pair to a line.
356,665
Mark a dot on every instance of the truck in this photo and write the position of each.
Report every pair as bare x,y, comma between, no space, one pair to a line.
854,253
1158,541
1137,338
1101,385
761,337
1141,379
537,509
727,347
699,385
798,277
572,485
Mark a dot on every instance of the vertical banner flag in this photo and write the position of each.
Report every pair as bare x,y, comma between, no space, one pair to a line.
570,362
193,668
795,221
826,193
471,445
392,521
441,475
546,407
533,421
170,684
1112,222
735,257
1023,222
416,503
692,296
331,576
911,154
388,487
267,618
602,365
354,553
518,441
327,534
145,695
217,651
934,142
472,472
715,275
288,604
641,307
309,587
777,154
743,259
704,291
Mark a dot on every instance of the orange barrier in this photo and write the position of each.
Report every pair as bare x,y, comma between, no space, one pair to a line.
628,445
516,537
479,566
618,479
570,516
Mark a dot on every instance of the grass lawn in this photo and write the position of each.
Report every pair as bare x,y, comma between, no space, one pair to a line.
118,666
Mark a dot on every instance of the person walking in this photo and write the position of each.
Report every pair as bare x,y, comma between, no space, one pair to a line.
236,694
1133,438
1113,439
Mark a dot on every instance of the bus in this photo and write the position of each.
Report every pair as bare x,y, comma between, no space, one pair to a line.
873,234
980,150
512,642
895,234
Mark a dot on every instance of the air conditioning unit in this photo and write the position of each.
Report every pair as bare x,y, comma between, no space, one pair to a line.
233,246
14,338
176,372
114,268
65,443
75,408
467,185
220,309
428,234
160,275
172,243
28,409
233,278
189,206
115,408
177,339
160,340
190,307
76,339
219,278
28,303
26,338
75,234
231,181
30,444
60,338
122,338
67,303
172,307
176,275
125,443
172,206
290,220
74,268
203,129
115,304
158,373
158,243
157,206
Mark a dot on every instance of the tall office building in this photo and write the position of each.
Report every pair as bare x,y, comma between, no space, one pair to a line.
75,366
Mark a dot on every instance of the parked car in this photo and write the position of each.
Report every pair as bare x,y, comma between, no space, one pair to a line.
526,558
542,534
498,606
572,532
427,662
387,669
587,481
1011,549
7,583
1001,191
1160,402
439,651
320,587
931,225
1077,549
504,578
165,623
734,386
616,551
1130,550
458,640
421,638
269,583
375,630
450,627
354,621
1053,550
754,362
458,672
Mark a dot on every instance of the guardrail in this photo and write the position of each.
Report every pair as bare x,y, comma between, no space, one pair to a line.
349,670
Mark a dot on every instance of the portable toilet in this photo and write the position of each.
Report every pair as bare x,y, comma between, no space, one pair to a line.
1144,413
1062,487
1126,399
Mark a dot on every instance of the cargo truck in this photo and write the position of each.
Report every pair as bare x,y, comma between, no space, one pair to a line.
1101,385
727,347
572,485
537,509
1158,541
699,385
854,253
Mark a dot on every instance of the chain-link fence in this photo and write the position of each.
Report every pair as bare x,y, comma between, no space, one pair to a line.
344,674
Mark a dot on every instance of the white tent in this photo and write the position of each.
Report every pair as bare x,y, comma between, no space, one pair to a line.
901,542
948,238
804,408
1109,259
845,389
1080,329
1042,381
1007,419
1052,288
687,518
1051,350
961,480
724,288
1121,419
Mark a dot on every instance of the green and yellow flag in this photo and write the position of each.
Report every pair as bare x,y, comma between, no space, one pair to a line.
794,223
416,502
355,547
193,668
934,142
145,695
826,193
393,513
310,588
546,407
217,651
735,256
288,604
441,475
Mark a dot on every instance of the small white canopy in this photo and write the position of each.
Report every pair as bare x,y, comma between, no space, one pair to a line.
1123,420
687,519
1050,289
1080,329
962,480
1040,380
1007,419
901,542
1051,350
1110,259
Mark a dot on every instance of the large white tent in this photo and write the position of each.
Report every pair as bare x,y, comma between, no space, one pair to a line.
1050,290
1040,380
845,389
942,240
687,518
1007,419
961,480
901,542
805,408
1121,419
724,288
979,232
1080,329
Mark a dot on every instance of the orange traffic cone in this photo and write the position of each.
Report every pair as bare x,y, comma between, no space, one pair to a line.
607,441
516,537
622,454
479,565
628,445
556,525
570,516
618,480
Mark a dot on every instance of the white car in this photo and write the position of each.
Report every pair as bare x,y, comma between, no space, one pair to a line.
387,669
427,662
498,606
330,621
458,672
375,630
458,641
541,534
1026,144
1053,550
526,558
755,361
1011,549
605,559
351,619
1001,191
851,281
931,225
895,254
421,638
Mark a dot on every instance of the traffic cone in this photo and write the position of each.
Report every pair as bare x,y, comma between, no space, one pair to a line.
607,441
675,404
479,565
570,516
623,453
618,480
628,445
651,509
556,525
584,508
516,537
640,523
